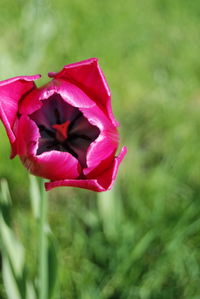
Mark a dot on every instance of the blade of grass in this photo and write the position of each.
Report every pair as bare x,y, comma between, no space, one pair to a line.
43,258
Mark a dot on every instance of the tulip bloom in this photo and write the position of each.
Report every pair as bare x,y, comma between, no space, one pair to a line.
64,131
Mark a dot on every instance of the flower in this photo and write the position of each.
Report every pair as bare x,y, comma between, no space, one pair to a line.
64,131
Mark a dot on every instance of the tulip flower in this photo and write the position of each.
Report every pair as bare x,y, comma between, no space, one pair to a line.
64,131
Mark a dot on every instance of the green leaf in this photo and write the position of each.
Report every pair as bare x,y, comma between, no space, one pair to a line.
12,248
5,193
52,264
110,212
5,201
35,196
10,281
14,274
30,291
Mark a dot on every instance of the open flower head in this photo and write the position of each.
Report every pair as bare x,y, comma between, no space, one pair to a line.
64,131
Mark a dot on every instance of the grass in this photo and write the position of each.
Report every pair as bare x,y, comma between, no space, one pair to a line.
140,240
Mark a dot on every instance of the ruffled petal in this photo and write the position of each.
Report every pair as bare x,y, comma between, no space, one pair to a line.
89,77
53,165
102,183
11,92
69,92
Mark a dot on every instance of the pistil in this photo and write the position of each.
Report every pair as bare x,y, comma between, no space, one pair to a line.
61,130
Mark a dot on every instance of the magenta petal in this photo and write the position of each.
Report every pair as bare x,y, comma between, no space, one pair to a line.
53,165
107,178
89,77
70,93
85,184
31,102
96,171
102,183
11,92
27,137
107,141
99,150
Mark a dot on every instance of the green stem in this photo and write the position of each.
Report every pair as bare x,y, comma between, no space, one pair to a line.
43,263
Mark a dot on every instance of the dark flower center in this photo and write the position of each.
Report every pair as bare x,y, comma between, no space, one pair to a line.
64,128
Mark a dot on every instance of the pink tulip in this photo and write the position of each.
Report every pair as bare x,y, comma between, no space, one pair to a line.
64,131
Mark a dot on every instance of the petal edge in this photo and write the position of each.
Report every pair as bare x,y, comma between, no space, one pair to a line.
88,75
11,92
97,184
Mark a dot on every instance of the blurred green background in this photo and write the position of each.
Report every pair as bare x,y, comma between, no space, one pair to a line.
142,239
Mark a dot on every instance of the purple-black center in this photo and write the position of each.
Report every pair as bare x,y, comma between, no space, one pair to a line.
64,128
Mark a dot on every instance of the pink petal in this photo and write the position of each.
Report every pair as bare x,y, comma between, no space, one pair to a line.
96,171
85,184
102,183
53,165
31,102
70,93
11,92
89,77
27,137
107,142
107,178
99,150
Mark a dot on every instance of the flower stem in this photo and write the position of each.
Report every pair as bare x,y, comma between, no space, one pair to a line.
43,263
